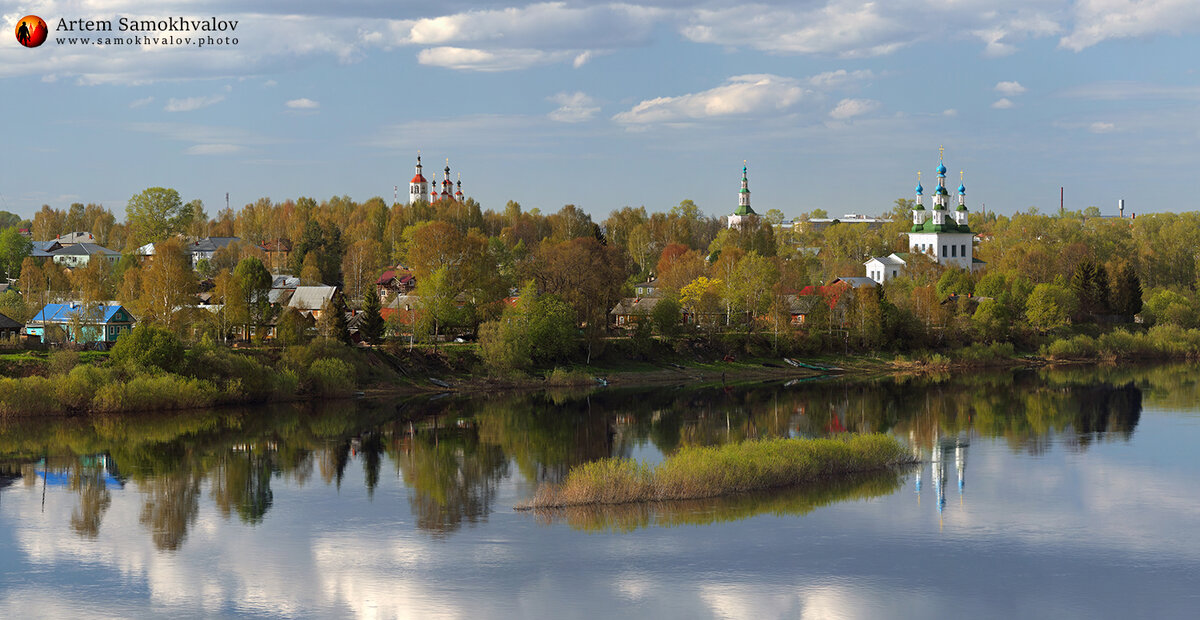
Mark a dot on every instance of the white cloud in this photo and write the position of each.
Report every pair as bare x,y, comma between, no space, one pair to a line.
213,149
849,29
144,101
270,83
839,78
1123,91
742,95
1002,103
1009,88
849,108
465,59
1099,20
573,107
1101,127
192,103
950,112
582,59
303,103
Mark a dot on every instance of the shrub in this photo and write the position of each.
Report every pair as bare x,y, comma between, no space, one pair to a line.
61,362
148,393
27,396
150,347
331,376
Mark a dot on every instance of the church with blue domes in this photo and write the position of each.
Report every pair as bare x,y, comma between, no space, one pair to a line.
938,233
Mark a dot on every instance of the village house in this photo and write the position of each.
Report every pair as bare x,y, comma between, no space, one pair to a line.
395,281
81,254
309,300
632,310
104,323
9,328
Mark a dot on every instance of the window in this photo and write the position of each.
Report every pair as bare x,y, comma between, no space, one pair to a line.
943,250
964,250
954,250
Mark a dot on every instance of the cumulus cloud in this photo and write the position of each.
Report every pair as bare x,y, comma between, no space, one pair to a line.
849,108
465,59
1002,103
303,103
1099,20
848,29
573,107
741,95
1009,89
144,101
192,103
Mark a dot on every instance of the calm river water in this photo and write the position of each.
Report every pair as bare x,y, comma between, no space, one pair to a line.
1048,494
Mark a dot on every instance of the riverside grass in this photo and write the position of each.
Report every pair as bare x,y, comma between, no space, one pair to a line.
700,472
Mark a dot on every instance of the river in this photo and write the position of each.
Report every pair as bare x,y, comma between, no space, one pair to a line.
1069,493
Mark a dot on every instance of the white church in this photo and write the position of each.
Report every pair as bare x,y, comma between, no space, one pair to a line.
419,188
940,236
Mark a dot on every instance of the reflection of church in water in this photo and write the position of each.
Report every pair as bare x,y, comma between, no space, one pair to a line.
941,451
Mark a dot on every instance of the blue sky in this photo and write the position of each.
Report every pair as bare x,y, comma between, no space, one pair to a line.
834,103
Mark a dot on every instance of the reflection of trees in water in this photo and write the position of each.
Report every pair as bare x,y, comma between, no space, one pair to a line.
454,478
94,500
241,482
546,437
171,502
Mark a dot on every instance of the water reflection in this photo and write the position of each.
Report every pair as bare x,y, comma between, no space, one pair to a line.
453,454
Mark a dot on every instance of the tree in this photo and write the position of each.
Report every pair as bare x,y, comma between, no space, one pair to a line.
325,244
436,295
1127,293
14,248
168,284
587,275
955,281
358,267
332,323
155,214
292,328
1050,306
371,327
1090,285
665,317
248,293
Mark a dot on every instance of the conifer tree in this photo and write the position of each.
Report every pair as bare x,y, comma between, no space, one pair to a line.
372,323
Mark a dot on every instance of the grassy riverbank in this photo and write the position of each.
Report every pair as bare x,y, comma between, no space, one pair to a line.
699,472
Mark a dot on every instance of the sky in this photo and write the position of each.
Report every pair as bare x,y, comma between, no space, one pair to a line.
832,104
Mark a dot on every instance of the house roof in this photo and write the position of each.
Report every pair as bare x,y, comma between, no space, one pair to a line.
63,313
282,244
84,249
211,244
635,305
400,301
285,281
44,249
311,297
8,323
856,282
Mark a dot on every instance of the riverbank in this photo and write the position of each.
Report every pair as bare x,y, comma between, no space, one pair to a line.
700,472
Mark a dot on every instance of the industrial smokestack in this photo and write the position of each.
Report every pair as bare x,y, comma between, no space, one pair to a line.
1121,207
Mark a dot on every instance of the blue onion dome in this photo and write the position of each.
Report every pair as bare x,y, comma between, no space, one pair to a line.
919,188
962,189
941,169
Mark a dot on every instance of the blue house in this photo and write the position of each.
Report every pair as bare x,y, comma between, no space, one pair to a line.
103,324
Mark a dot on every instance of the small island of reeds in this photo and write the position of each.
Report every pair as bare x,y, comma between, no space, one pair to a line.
700,472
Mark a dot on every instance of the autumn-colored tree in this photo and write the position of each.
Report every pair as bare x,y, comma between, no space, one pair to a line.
359,267
679,266
168,284
587,275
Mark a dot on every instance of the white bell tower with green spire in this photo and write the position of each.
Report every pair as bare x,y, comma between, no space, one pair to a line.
743,210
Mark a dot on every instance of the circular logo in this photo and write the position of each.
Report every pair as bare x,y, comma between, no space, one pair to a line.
31,31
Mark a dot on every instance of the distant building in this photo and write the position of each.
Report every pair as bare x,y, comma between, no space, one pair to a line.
105,324
8,327
633,310
947,239
743,211
206,248
82,254
419,188
309,300
882,269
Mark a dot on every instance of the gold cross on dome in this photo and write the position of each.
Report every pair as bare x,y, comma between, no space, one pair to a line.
941,152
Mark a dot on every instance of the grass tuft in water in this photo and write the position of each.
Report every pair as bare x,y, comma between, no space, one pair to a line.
700,472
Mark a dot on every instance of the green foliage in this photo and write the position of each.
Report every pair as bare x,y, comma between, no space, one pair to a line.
154,392
325,243
666,317
27,396
155,214
539,329
955,282
331,377
61,362
1127,293
292,328
14,247
148,346
1050,306
1168,307
13,306
1090,285
371,327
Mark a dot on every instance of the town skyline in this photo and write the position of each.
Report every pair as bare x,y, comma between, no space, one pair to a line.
834,105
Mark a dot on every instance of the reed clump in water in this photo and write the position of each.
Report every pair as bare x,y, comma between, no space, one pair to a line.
699,472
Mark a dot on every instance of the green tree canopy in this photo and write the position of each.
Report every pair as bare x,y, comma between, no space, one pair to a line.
156,213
